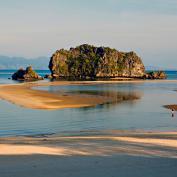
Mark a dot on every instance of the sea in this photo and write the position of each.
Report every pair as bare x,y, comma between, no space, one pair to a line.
144,113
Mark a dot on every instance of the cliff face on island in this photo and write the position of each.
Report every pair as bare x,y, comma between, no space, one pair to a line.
86,61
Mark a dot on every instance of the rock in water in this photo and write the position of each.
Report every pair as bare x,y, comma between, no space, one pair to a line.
86,61
48,76
27,75
155,75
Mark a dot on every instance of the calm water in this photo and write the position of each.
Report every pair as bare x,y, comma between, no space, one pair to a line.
145,113
5,75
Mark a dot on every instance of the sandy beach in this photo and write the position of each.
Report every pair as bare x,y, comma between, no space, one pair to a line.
96,143
107,153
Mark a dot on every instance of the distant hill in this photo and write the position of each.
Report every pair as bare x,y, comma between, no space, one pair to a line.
18,62
156,68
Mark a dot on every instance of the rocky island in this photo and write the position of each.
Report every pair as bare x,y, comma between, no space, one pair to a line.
87,61
27,74
90,62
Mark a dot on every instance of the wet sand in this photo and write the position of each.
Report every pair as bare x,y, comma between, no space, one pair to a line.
24,95
173,106
101,143
106,153
111,153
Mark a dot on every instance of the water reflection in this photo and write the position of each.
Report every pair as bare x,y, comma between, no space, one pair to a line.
116,97
135,107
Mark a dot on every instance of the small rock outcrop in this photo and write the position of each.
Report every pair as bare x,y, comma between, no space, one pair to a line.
26,75
87,61
155,75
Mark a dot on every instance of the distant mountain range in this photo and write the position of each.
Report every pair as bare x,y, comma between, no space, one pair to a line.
156,68
20,62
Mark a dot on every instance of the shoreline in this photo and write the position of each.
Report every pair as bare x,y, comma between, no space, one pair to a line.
110,153
84,153
104,143
24,95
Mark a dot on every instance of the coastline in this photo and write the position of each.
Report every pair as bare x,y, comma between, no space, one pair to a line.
24,95
93,153
98,143
111,153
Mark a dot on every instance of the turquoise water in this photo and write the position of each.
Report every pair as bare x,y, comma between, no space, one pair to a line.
145,113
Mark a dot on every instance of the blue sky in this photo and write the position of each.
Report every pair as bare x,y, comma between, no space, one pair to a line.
32,28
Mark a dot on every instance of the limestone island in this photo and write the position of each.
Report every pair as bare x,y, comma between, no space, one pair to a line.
90,62
87,62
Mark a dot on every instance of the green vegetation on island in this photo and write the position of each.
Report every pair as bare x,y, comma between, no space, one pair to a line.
90,62
87,61
26,74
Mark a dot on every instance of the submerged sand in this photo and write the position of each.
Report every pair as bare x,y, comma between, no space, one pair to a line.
105,153
24,95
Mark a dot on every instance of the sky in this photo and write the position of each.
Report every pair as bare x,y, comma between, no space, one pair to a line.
33,28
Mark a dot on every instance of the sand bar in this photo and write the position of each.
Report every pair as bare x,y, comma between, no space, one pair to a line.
24,95
106,153
172,106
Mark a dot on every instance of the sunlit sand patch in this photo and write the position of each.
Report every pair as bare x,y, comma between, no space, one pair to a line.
23,95
140,144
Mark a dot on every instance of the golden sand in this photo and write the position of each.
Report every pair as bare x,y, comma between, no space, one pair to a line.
24,95
141,143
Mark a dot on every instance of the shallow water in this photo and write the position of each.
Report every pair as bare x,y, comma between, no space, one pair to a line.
5,75
144,113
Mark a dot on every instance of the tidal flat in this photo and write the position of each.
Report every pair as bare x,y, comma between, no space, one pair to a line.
97,128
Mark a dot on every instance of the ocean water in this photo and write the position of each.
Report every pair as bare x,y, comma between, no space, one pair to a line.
145,113
5,75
